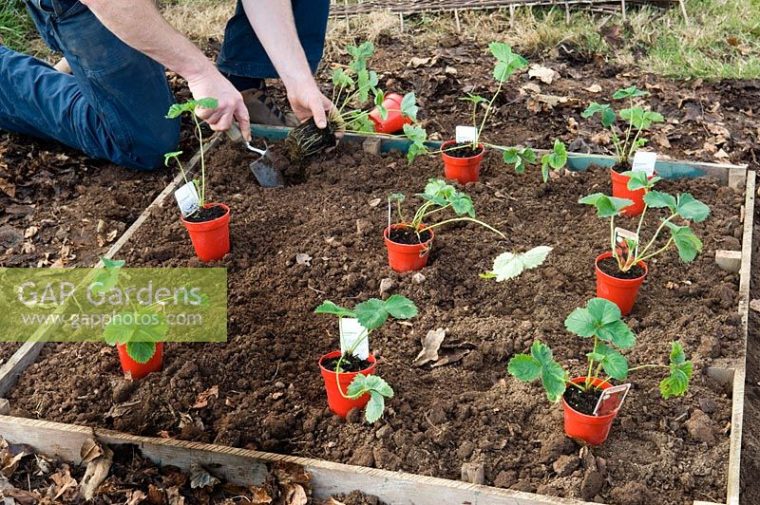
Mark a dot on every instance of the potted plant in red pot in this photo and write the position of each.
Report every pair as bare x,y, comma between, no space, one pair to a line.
621,270
462,159
626,140
409,241
601,321
138,333
207,223
349,373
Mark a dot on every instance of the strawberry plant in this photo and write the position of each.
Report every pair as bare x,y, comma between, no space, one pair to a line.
601,321
628,138
683,209
188,107
507,63
371,315
438,197
354,87
138,328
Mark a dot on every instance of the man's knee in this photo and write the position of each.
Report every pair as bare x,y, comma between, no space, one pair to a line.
148,152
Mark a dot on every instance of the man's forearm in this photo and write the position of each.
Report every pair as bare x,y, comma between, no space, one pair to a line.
139,24
273,22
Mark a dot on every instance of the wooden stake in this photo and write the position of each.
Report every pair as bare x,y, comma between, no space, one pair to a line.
511,16
622,7
456,20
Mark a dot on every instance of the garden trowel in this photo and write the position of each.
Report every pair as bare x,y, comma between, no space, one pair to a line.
266,174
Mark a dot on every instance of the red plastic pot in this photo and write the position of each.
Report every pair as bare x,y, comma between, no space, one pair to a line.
590,429
211,239
622,292
407,257
337,402
462,170
140,370
395,121
620,190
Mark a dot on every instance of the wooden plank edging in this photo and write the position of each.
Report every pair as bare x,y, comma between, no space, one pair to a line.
246,467
29,350
737,405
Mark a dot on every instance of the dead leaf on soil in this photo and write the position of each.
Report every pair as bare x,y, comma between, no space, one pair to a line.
202,400
259,496
755,305
11,455
661,140
173,496
134,497
8,187
288,473
543,74
594,88
451,358
530,88
31,231
333,501
544,103
90,451
63,482
96,472
375,202
295,495
431,343
722,155
303,259
200,478
156,496
601,138
417,62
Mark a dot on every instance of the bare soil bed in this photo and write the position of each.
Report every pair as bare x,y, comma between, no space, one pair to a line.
271,396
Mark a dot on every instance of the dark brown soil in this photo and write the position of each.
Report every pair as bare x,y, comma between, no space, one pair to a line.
610,267
206,214
583,401
349,363
469,411
409,236
463,150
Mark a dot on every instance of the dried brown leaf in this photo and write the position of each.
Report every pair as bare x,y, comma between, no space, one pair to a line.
203,398
295,495
90,451
431,343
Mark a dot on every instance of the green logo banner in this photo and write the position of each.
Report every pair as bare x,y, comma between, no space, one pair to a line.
113,304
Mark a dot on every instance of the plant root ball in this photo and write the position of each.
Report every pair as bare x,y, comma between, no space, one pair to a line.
306,139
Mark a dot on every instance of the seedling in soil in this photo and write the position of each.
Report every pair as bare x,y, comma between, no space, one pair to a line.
176,111
626,140
684,207
507,63
354,87
601,321
510,265
521,157
438,196
371,314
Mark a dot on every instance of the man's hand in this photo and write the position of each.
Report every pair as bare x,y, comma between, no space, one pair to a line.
231,106
307,101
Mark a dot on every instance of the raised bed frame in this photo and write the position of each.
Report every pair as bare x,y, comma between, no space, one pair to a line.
242,466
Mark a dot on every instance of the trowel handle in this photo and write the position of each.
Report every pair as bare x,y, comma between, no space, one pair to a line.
234,133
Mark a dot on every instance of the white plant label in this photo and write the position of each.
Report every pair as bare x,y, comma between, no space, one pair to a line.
466,134
350,332
621,235
644,162
187,199
611,400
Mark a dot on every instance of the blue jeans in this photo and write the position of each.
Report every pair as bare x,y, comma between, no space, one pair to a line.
113,106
